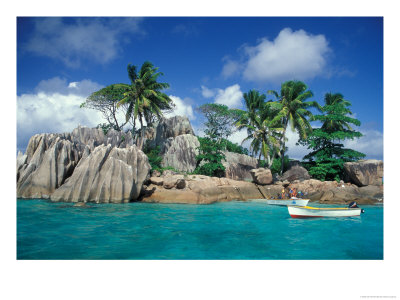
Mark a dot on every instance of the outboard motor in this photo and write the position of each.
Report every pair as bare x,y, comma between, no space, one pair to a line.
353,204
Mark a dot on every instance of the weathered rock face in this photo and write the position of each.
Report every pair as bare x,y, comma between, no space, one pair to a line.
180,152
296,172
365,172
169,128
336,192
238,166
50,159
201,189
262,176
47,168
106,175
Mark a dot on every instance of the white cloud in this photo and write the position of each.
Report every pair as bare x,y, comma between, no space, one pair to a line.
231,96
230,68
291,55
182,108
73,39
371,144
206,92
238,137
52,111
295,151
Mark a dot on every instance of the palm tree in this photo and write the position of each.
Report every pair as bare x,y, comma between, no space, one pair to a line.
293,109
264,135
144,98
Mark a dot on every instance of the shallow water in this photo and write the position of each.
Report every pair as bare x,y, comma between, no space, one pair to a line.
232,230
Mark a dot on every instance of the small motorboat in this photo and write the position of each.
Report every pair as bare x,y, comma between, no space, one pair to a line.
291,201
319,212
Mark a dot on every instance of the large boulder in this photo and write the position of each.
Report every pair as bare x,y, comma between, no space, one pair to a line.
365,172
168,128
262,176
106,175
48,169
201,189
238,166
296,172
180,152
50,159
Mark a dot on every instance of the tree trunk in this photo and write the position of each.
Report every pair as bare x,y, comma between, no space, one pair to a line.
141,134
283,145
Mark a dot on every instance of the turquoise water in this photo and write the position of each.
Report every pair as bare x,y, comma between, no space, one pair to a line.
232,230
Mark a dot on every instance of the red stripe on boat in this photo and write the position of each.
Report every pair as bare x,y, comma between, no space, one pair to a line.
304,217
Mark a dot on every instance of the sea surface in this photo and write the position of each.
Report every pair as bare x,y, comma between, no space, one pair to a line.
231,230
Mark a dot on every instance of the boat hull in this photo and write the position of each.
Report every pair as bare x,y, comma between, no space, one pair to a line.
316,212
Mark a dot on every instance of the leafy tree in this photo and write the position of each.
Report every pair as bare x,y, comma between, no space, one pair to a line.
262,130
293,109
209,160
144,98
106,101
233,147
220,120
325,161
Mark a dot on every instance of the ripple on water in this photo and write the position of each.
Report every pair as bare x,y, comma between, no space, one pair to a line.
232,230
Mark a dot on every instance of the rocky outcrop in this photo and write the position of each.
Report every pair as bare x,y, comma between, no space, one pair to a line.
180,152
365,172
296,172
50,159
199,189
48,169
262,176
336,192
168,128
238,166
107,175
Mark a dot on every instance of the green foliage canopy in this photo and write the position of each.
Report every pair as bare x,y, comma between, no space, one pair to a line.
328,155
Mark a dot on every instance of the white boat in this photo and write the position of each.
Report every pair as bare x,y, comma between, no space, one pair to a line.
291,201
309,212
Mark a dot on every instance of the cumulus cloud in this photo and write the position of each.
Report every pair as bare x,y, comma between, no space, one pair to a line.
72,39
231,96
54,108
291,55
182,108
371,144
230,68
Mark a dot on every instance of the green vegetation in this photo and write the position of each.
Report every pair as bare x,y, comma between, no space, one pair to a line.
155,158
220,120
209,160
265,121
106,101
144,98
233,147
141,100
293,110
325,161
262,129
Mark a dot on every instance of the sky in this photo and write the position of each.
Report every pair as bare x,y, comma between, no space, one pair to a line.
61,61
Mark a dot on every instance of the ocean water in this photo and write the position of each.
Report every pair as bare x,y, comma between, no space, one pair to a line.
232,230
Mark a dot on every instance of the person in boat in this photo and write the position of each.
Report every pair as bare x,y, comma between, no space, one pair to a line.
279,196
294,194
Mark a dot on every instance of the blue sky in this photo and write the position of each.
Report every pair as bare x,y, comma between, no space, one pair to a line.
60,61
